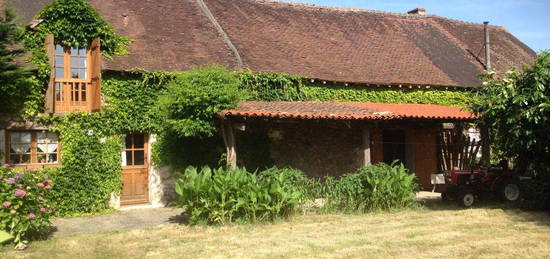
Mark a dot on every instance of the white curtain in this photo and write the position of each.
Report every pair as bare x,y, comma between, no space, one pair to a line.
123,154
47,142
21,148
47,148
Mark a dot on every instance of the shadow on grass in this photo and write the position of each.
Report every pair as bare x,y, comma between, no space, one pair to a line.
513,210
179,219
46,233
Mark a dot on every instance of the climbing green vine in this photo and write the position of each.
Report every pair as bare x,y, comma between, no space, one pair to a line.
318,92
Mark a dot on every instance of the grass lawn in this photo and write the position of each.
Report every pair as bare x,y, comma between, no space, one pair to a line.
436,230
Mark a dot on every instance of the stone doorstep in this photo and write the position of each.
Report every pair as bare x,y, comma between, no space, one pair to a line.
140,206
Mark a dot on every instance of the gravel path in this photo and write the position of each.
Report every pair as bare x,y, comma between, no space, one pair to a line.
119,220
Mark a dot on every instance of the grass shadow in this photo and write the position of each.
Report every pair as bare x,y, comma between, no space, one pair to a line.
181,219
514,210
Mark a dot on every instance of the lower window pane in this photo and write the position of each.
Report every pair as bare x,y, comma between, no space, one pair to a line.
83,92
59,92
15,159
52,158
129,158
25,159
139,157
41,158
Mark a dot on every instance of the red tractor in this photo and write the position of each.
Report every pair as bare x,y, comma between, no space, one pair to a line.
466,186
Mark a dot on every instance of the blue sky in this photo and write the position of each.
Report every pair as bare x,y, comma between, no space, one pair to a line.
528,20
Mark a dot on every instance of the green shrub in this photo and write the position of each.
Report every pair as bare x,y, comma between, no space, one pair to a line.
224,196
389,186
294,180
192,100
375,187
24,210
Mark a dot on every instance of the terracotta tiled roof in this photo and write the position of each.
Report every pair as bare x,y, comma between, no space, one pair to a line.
333,44
347,111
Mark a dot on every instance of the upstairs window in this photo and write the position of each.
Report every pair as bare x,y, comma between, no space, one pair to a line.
75,78
71,78
71,62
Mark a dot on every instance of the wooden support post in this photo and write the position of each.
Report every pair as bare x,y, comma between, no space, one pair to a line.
232,152
229,138
366,146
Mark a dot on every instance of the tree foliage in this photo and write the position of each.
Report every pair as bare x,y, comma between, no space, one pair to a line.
517,110
16,83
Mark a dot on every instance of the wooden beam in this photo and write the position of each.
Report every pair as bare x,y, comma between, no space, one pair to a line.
229,139
366,146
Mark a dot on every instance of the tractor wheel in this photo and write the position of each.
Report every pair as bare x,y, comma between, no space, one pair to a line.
509,191
444,196
466,198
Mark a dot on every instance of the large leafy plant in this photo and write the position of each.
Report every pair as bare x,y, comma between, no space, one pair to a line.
24,208
222,196
375,187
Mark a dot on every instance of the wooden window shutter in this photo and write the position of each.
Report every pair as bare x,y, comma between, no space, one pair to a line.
95,70
49,99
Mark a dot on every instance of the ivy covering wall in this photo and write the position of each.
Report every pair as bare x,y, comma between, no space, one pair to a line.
441,96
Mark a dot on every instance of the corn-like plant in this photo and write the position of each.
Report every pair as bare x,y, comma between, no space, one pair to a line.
222,196
375,187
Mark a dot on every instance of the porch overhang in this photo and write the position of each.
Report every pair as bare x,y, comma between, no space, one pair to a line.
348,111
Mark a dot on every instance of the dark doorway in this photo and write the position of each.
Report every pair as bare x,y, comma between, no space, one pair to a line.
394,146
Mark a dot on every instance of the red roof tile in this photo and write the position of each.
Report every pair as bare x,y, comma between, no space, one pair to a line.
347,111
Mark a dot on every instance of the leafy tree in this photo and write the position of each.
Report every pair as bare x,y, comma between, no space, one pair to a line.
191,101
517,110
15,83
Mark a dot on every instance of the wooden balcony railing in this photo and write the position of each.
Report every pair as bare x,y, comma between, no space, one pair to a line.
72,95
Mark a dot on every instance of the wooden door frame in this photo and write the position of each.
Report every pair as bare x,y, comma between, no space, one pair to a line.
145,167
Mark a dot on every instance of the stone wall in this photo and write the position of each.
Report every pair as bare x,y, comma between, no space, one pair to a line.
319,148
333,148
161,182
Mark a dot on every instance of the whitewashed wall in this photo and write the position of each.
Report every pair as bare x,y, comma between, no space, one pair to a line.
161,181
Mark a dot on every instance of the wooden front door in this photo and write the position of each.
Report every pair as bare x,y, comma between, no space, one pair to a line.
135,170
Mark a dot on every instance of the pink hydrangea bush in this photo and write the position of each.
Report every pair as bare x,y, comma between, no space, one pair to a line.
24,211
